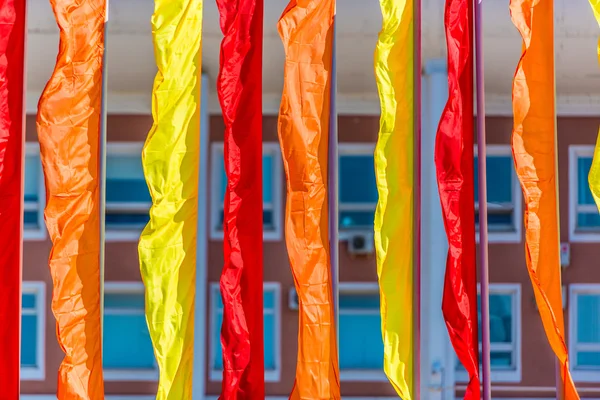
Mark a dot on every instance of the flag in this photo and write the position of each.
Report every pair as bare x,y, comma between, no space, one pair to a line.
534,153
594,175
454,162
68,122
239,87
306,29
394,159
12,62
170,158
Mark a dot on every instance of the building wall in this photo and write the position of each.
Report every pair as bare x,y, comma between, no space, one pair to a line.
507,265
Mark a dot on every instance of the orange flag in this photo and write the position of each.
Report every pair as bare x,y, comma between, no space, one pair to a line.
68,124
534,151
306,29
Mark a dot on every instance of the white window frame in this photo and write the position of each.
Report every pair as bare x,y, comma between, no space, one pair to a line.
124,235
215,375
129,375
515,236
580,375
504,376
576,152
39,233
38,289
216,204
354,149
367,375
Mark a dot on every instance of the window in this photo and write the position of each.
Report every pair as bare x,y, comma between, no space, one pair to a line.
503,195
127,197
128,354
584,220
35,195
584,332
361,343
272,195
272,332
33,329
505,334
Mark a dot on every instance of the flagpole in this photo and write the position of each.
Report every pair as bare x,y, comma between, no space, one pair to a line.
483,214
417,197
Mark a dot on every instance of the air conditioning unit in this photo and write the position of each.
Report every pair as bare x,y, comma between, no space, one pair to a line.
361,244
293,299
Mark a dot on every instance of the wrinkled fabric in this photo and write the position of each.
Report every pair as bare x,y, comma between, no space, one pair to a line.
170,158
12,60
594,175
454,162
239,87
534,153
68,123
306,29
395,184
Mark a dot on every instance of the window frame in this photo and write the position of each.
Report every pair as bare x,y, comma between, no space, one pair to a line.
128,375
515,236
37,288
40,232
215,375
504,376
575,236
580,375
271,148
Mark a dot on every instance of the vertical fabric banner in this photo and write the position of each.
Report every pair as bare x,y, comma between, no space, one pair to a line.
394,159
68,123
594,175
12,136
170,158
239,87
306,29
535,157
454,162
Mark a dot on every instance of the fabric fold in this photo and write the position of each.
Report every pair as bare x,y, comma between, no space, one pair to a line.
454,162
594,175
170,158
306,29
68,122
394,161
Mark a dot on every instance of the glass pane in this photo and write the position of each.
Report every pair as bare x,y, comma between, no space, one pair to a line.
584,195
269,300
127,343
501,359
127,191
499,178
588,221
119,301
357,179
500,318
588,318
359,301
357,219
32,176
29,341
127,167
30,219
126,221
497,221
28,301
361,345
590,359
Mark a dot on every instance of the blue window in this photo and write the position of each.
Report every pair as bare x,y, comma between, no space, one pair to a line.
357,188
587,218
127,352
34,202
127,197
32,330
586,328
361,344
271,328
502,195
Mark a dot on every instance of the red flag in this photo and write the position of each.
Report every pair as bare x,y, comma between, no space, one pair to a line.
12,59
239,87
454,165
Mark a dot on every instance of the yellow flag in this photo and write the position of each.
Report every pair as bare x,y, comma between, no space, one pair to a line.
395,184
594,176
167,248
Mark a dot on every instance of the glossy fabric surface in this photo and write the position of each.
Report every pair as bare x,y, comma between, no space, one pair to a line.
68,123
306,29
594,175
239,87
12,45
170,158
454,165
395,184
534,152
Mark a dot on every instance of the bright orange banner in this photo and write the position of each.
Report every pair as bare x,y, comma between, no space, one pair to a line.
68,124
534,151
306,29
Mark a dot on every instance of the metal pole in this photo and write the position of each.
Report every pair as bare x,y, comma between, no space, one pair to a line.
483,226
417,197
